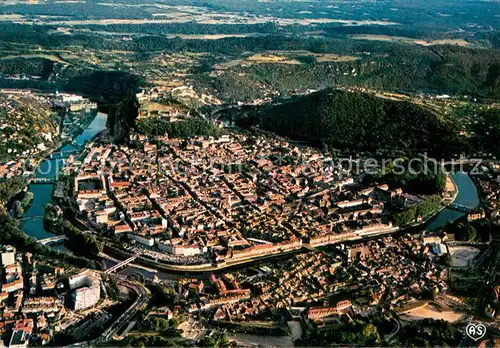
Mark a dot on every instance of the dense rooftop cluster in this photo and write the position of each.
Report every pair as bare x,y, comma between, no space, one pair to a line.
35,307
225,199
401,272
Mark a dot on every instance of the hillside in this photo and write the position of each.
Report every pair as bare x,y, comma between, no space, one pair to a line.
28,124
388,66
354,121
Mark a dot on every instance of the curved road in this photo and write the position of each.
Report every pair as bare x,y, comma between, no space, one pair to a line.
142,299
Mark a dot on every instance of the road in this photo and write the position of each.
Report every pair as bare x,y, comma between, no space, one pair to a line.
398,326
142,299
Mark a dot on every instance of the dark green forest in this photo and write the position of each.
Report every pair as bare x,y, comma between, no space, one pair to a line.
354,121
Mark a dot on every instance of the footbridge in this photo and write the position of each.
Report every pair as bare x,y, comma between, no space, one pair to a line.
52,240
28,218
42,181
62,154
121,264
460,207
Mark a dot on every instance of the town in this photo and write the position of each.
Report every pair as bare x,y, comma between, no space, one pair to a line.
43,302
312,239
221,173
225,200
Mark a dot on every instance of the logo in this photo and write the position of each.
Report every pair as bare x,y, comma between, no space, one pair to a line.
476,332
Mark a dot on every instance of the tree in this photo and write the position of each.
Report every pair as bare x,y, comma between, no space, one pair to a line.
370,334
470,233
215,340
17,209
9,188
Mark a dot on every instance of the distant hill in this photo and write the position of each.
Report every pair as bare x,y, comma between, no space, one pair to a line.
354,121
440,69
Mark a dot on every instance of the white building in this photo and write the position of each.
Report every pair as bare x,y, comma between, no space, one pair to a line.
176,247
87,290
8,255
147,241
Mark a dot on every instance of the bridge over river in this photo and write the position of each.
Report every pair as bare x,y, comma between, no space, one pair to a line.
63,153
46,181
29,218
460,207
52,240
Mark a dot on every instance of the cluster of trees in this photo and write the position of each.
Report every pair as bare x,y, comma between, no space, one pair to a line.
43,36
20,206
190,28
181,129
486,130
77,10
354,121
328,29
148,341
215,340
37,118
107,86
421,333
429,333
122,117
474,231
28,66
52,220
356,333
84,244
418,176
425,15
111,285
388,65
437,69
423,209
9,188
12,235
164,295
157,324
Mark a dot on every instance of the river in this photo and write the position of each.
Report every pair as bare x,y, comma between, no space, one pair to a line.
48,169
467,196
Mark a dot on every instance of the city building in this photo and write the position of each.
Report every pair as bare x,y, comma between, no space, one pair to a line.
8,255
86,290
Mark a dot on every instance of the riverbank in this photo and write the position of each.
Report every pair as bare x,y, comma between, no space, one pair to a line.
48,168
467,195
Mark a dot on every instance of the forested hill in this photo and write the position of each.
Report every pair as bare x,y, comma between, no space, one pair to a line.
355,121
